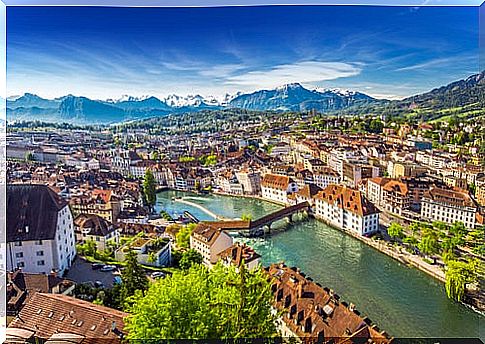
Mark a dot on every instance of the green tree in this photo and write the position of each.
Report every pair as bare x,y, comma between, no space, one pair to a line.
150,189
411,240
429,243
376,126
458,275
182,238
29,156
246,217
458,229
189,258
133,277
154,155
204,304
395,230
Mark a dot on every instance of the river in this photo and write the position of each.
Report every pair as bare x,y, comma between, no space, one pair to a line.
402,300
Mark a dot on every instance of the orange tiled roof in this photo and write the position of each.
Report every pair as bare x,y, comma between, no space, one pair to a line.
275,181
311,310
346,198
47,314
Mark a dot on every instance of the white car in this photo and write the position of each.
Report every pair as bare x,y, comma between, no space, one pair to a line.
108,268
157,274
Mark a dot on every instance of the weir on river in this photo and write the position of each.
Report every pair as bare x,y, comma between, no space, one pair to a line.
205,210
402,300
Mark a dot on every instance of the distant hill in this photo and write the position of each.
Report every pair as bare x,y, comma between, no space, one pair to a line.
463,98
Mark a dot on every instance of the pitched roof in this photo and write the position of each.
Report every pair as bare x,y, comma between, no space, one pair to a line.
276,181
379,180
309,190
396,186
48,314
312,310
239,252
96,224
32,212
452,197
206,233
346,198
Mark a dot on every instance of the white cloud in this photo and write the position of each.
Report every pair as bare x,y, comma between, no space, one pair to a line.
305,72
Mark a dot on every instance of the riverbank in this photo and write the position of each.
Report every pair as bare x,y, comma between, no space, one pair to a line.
404,300
472,299
403,257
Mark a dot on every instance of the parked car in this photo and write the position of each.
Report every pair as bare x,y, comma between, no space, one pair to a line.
158,274
108,268
96,266
98,284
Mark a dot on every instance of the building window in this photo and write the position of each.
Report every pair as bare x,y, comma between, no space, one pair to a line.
20,265
19,255
40,253
41,262
18,243
38,242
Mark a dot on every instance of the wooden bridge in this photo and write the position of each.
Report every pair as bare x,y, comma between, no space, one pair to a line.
287,212
263,224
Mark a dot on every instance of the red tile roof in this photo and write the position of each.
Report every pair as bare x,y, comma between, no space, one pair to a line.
276,181
47,314
346,198
312,311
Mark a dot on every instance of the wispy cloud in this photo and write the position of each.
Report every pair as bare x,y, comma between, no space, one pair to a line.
439,63
305,72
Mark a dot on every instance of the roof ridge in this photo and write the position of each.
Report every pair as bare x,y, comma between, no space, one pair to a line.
82,303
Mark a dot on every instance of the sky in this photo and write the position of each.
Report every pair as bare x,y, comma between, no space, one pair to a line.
106,52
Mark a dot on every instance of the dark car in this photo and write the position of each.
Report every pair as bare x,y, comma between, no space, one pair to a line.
96,266
98,284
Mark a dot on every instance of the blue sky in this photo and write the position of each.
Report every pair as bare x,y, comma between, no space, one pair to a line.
102,53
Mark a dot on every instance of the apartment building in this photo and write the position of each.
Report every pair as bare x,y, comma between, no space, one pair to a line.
209,240
89,227
276,188
347,209
40,231
250,181
449,206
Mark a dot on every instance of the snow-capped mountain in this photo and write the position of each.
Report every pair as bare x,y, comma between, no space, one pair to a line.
177,101
339,91
197,100
295,97
289,97
128,98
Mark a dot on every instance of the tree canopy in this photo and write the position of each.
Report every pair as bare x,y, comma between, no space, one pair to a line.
182,237
204,304
189,258
150,188
395,230
458,275
133,277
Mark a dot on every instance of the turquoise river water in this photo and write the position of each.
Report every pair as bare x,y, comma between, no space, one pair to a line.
402,300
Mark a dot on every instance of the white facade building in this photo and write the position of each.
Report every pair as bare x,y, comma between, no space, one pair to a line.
209,241
276,188
347,209
40,231
449,206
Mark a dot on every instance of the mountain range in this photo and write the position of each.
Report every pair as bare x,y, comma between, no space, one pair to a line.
73,109
289,97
